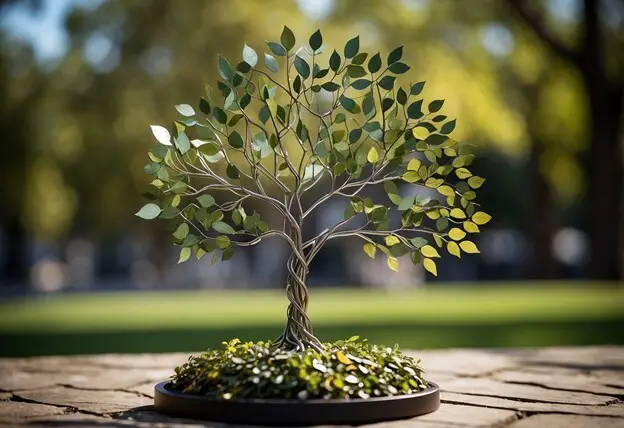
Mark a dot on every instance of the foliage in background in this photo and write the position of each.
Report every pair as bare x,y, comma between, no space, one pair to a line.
343,123
346,369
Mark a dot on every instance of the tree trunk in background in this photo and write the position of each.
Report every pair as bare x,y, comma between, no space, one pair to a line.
605,176
603,159
16,269
542,215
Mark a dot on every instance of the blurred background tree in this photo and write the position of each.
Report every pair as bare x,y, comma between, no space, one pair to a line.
537,85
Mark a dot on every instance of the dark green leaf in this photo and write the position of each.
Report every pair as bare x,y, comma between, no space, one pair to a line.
354,135
347,103
297,84
374,64
414,111
395,55
204,106
359,58
448,127
387,82
330,86
316,40
321,73
361,84
236,140
368,105
352,47
435,105
401,96
219,115
356,71
334,61
399,68
287,38
417,88
387,104
439,118
303,68
232,172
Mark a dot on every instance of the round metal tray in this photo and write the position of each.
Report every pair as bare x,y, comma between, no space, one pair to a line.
295,412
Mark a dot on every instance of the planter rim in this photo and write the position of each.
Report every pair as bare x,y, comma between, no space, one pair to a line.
296,412
163,388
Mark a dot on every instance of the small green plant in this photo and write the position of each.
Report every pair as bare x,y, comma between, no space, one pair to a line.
298,119
345,369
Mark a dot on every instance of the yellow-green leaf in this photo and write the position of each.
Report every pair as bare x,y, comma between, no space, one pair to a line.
469,247
463,173
458,213
411,177
471,227
185,254
453,249
391,240
343,358
372,155
476,182
446,190
433,182
430,266
370,249
481,218
438,240
393,264
413,165
457,234
429,251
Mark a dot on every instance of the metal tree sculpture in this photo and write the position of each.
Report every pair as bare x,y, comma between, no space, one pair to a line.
294,124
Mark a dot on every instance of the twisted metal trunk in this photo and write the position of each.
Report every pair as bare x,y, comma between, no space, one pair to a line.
298,334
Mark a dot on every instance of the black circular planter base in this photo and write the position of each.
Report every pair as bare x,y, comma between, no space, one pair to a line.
296,412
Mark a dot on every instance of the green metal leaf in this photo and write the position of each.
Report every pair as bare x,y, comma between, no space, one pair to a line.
352,47
334,61
235,140
387,82
374,64
435,106
399,68
223,227
206,201
303,68
316,40
271,63
277,49
149,212
287,38
225,71
250,56
185,110
395,55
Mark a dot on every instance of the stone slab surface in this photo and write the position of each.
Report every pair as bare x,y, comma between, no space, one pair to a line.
536,387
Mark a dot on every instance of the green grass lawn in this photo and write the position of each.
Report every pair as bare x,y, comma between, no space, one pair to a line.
440,316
